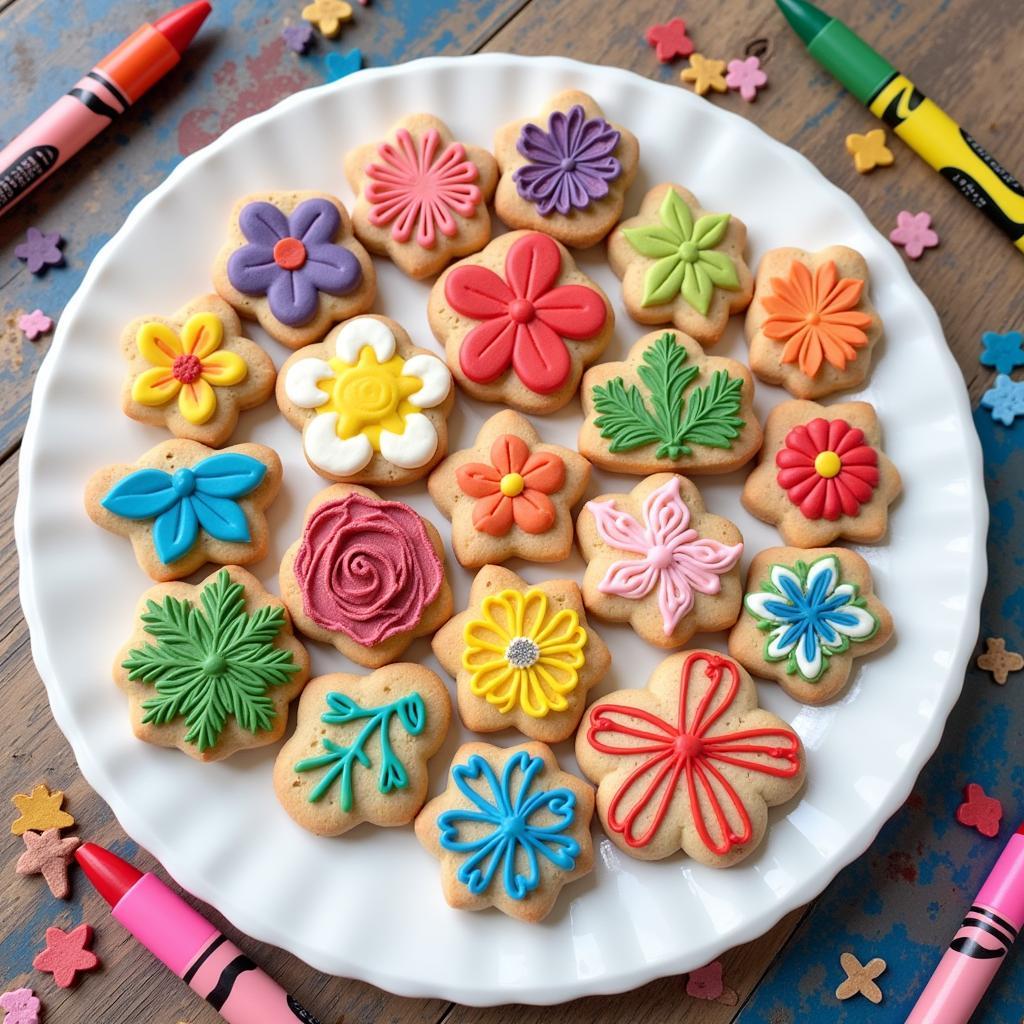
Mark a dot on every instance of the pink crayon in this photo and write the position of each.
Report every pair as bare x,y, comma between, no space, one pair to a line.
188,944
980,946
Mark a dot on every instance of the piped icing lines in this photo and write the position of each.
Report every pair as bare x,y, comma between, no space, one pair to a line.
366,399
690,762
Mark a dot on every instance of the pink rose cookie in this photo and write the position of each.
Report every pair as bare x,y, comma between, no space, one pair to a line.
367,575
292,263
566,171
421,197
680,264
371,406
519,322
193,372
510,495
661,563
823,475
690,762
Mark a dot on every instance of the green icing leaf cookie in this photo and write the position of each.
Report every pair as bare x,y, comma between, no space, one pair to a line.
687,262
676,416
211,663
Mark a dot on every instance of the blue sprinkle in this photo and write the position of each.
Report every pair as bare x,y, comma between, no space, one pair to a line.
341,64
1003,352
1006,399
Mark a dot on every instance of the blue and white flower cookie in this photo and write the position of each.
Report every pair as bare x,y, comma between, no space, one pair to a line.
510,830
807,613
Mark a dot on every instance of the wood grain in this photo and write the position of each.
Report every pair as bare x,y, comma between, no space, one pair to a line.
974,279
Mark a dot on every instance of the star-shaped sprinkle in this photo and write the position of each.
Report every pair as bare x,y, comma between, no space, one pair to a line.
48,855
670,40
328,15
40,249
869,150
341,64
980,811
33,324
40,811
298,37
705,73
914,232
1006,399
706,983
22,1006
1003,352
998,660
860,979
66,954
747,76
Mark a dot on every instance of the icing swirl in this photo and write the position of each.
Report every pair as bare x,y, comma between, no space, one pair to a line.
367,568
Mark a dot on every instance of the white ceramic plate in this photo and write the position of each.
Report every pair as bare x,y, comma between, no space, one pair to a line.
369,905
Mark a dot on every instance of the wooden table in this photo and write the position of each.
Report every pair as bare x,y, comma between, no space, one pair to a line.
240,66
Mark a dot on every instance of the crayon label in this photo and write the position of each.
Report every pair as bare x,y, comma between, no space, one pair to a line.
24,171
301,1013
984,935
993,164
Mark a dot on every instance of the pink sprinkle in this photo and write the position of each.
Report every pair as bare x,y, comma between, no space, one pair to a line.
914,232
747,76
35,323
22,1006
706,982
980,811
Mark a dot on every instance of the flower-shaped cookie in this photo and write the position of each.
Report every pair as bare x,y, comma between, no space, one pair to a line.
690,762
372,407
360,748
669,406
367,575
292,263
510,494
566,171
823,475
182,504
510,830
421,197
523,656
661,563
210,669
519,322
811,325
193,372
806,615
680,264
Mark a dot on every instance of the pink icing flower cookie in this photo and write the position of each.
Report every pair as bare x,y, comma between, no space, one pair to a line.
367,575
519,322
823,475
659,561
421,196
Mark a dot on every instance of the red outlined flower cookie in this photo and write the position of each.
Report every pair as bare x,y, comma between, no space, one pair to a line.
421,196
510,494
193,372
823,474
811,325
519,322
690,762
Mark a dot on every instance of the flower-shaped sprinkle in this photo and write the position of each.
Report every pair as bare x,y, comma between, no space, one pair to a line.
49,855
980,811
291,259
41,249
520,654
203,495
1003,352
570,165
40,810
687,261
1006,399
37,322
673,556
827,469
66,954
869,150
507,813
809,615
816,316
747,76
368,399
670,40
705,73
524,317
187,367
415,187
21,1006
999,661
914,232
860,978
514,488
328,15
297,38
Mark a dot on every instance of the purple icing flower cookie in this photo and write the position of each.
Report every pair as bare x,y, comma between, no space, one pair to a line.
293,264
565,172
